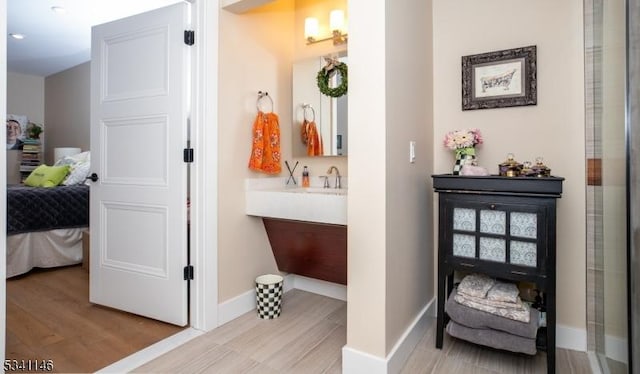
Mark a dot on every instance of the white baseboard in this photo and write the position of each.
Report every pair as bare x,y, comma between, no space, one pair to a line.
237,306
356,362
571,338
616,348
246,302
319,287
129,363
405,345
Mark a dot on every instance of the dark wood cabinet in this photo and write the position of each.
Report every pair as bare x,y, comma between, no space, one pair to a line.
311,249
504,227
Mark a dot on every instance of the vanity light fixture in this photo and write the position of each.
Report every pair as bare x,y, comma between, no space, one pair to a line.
17,36
336,24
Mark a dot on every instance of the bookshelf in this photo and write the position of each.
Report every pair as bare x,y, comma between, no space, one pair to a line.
31,157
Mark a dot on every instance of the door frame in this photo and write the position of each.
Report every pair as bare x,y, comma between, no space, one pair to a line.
204,171
204,176
3,176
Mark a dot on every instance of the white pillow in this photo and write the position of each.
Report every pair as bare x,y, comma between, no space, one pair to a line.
78,173
79,168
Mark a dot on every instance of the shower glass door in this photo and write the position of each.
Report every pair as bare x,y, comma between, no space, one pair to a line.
605,83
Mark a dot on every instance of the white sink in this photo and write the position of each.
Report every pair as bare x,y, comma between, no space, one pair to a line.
270,197
320,190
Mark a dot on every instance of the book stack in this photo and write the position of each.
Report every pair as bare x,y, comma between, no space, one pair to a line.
31,151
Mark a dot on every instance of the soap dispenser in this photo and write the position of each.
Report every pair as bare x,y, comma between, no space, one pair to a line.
305,177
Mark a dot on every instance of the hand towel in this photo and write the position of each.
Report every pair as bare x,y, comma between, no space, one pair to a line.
493,338
265,152
479,319
504,291
476,285
314,141
516,311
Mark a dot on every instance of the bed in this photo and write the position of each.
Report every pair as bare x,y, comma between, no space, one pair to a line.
44,226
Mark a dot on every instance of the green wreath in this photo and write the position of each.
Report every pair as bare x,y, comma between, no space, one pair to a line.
323,79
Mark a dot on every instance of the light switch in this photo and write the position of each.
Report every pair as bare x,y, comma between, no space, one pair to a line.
412,151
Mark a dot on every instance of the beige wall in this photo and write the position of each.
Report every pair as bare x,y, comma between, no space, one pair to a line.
553,129
409,253
60,102
366,206
25,96
390,224
66,109
255,50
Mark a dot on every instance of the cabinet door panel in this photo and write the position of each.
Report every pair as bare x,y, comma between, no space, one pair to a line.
493,249
523,253
464,245
464,219
493,221
524,225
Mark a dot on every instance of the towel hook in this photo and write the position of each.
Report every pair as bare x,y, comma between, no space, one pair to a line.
262,95
304,112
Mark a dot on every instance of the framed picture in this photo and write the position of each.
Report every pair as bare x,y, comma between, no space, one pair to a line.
499,79
16,131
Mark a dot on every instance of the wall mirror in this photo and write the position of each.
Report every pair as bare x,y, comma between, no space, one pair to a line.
328,113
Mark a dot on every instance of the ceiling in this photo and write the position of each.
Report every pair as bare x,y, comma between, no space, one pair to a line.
55,42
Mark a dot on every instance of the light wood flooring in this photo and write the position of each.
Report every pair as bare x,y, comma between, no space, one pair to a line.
49,317
308,338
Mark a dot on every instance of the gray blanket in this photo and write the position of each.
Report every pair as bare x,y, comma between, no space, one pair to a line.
493,338
478,319
40,209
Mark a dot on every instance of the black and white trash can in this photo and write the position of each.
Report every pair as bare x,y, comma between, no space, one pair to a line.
269,295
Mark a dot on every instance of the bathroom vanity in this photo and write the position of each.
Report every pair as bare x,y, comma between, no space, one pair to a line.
306,227
504,227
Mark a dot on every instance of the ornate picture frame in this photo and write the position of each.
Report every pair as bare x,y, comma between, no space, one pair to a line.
500,79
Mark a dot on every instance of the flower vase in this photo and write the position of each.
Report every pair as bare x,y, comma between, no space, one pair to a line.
463,157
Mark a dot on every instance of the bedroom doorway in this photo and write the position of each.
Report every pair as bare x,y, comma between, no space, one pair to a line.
203,292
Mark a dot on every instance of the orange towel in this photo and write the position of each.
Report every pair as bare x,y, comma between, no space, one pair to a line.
265,152
314,141
304,131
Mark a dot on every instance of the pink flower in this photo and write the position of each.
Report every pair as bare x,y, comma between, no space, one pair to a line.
465,138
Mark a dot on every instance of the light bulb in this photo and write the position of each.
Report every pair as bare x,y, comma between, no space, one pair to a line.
310,28
336,20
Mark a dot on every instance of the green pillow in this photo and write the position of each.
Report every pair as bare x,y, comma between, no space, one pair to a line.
47,176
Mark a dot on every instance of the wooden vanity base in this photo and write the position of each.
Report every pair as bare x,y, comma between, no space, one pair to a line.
314,250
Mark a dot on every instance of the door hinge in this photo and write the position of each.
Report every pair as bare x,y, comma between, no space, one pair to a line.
188,272
189,37
188,155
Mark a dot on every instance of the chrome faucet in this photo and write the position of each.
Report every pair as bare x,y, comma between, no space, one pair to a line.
326,181
331,169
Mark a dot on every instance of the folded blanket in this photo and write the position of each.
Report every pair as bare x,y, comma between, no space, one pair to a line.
516,311
476,285
479,319
504,291
493,338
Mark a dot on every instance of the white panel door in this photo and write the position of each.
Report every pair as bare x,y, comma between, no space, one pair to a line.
139,85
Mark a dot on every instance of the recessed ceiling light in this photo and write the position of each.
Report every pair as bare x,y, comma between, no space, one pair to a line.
58,9
17,36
